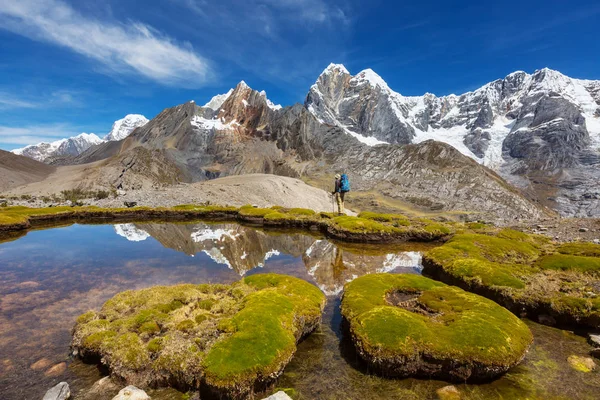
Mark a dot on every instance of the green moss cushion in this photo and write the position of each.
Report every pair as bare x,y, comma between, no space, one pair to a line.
405,325
554,283
229,338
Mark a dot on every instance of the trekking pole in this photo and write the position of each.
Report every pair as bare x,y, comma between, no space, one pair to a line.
332,204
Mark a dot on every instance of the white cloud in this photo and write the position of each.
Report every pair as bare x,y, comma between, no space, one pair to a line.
286,42
309,10
41,100
8,101
134,47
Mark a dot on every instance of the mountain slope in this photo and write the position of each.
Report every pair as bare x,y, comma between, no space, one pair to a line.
539,131
16,170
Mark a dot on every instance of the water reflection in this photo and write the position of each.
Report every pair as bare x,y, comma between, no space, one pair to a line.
243,249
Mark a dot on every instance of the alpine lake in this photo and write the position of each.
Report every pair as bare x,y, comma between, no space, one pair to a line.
49,277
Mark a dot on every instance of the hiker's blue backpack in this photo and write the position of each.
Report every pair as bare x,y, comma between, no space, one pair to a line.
344,183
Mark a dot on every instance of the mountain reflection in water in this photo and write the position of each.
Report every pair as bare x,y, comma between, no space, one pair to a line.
243,249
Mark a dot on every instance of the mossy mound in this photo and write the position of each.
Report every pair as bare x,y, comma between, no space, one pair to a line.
226,339
526,273
409,325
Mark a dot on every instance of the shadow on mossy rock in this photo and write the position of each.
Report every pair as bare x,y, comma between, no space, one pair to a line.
226,340
555,284
408,325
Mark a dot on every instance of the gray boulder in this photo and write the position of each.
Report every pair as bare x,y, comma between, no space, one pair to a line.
58,392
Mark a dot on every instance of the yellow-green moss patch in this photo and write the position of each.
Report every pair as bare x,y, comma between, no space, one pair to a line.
410,325
232,338
526,273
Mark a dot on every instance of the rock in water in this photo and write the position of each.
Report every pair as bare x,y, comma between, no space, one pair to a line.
281,395
448,393
131,393
408,325
57,369
582,364
58,392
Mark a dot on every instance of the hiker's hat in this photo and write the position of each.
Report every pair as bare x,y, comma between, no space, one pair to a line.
337,176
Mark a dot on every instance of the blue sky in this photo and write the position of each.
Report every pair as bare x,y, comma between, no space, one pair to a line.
68,67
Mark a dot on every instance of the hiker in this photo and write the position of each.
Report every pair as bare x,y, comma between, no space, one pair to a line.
342,186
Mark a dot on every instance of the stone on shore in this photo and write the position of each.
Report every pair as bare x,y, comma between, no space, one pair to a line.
131,393
58,392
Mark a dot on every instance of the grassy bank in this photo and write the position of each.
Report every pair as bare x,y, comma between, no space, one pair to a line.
529,274
366,227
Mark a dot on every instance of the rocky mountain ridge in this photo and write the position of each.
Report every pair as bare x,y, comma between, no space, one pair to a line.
74,146
540,131
246,133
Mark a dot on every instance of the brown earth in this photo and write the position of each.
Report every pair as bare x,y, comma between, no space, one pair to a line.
18,170
261,190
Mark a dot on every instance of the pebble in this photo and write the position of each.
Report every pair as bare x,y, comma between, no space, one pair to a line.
581,364
583,229
58,392
57,369
131,393
40,364
448,393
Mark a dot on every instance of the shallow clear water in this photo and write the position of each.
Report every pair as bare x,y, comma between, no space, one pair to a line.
49,277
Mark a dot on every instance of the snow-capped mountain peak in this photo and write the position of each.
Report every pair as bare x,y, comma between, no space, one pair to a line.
76,145
124,126
59,148
271,105
335,68
217,101
368,76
